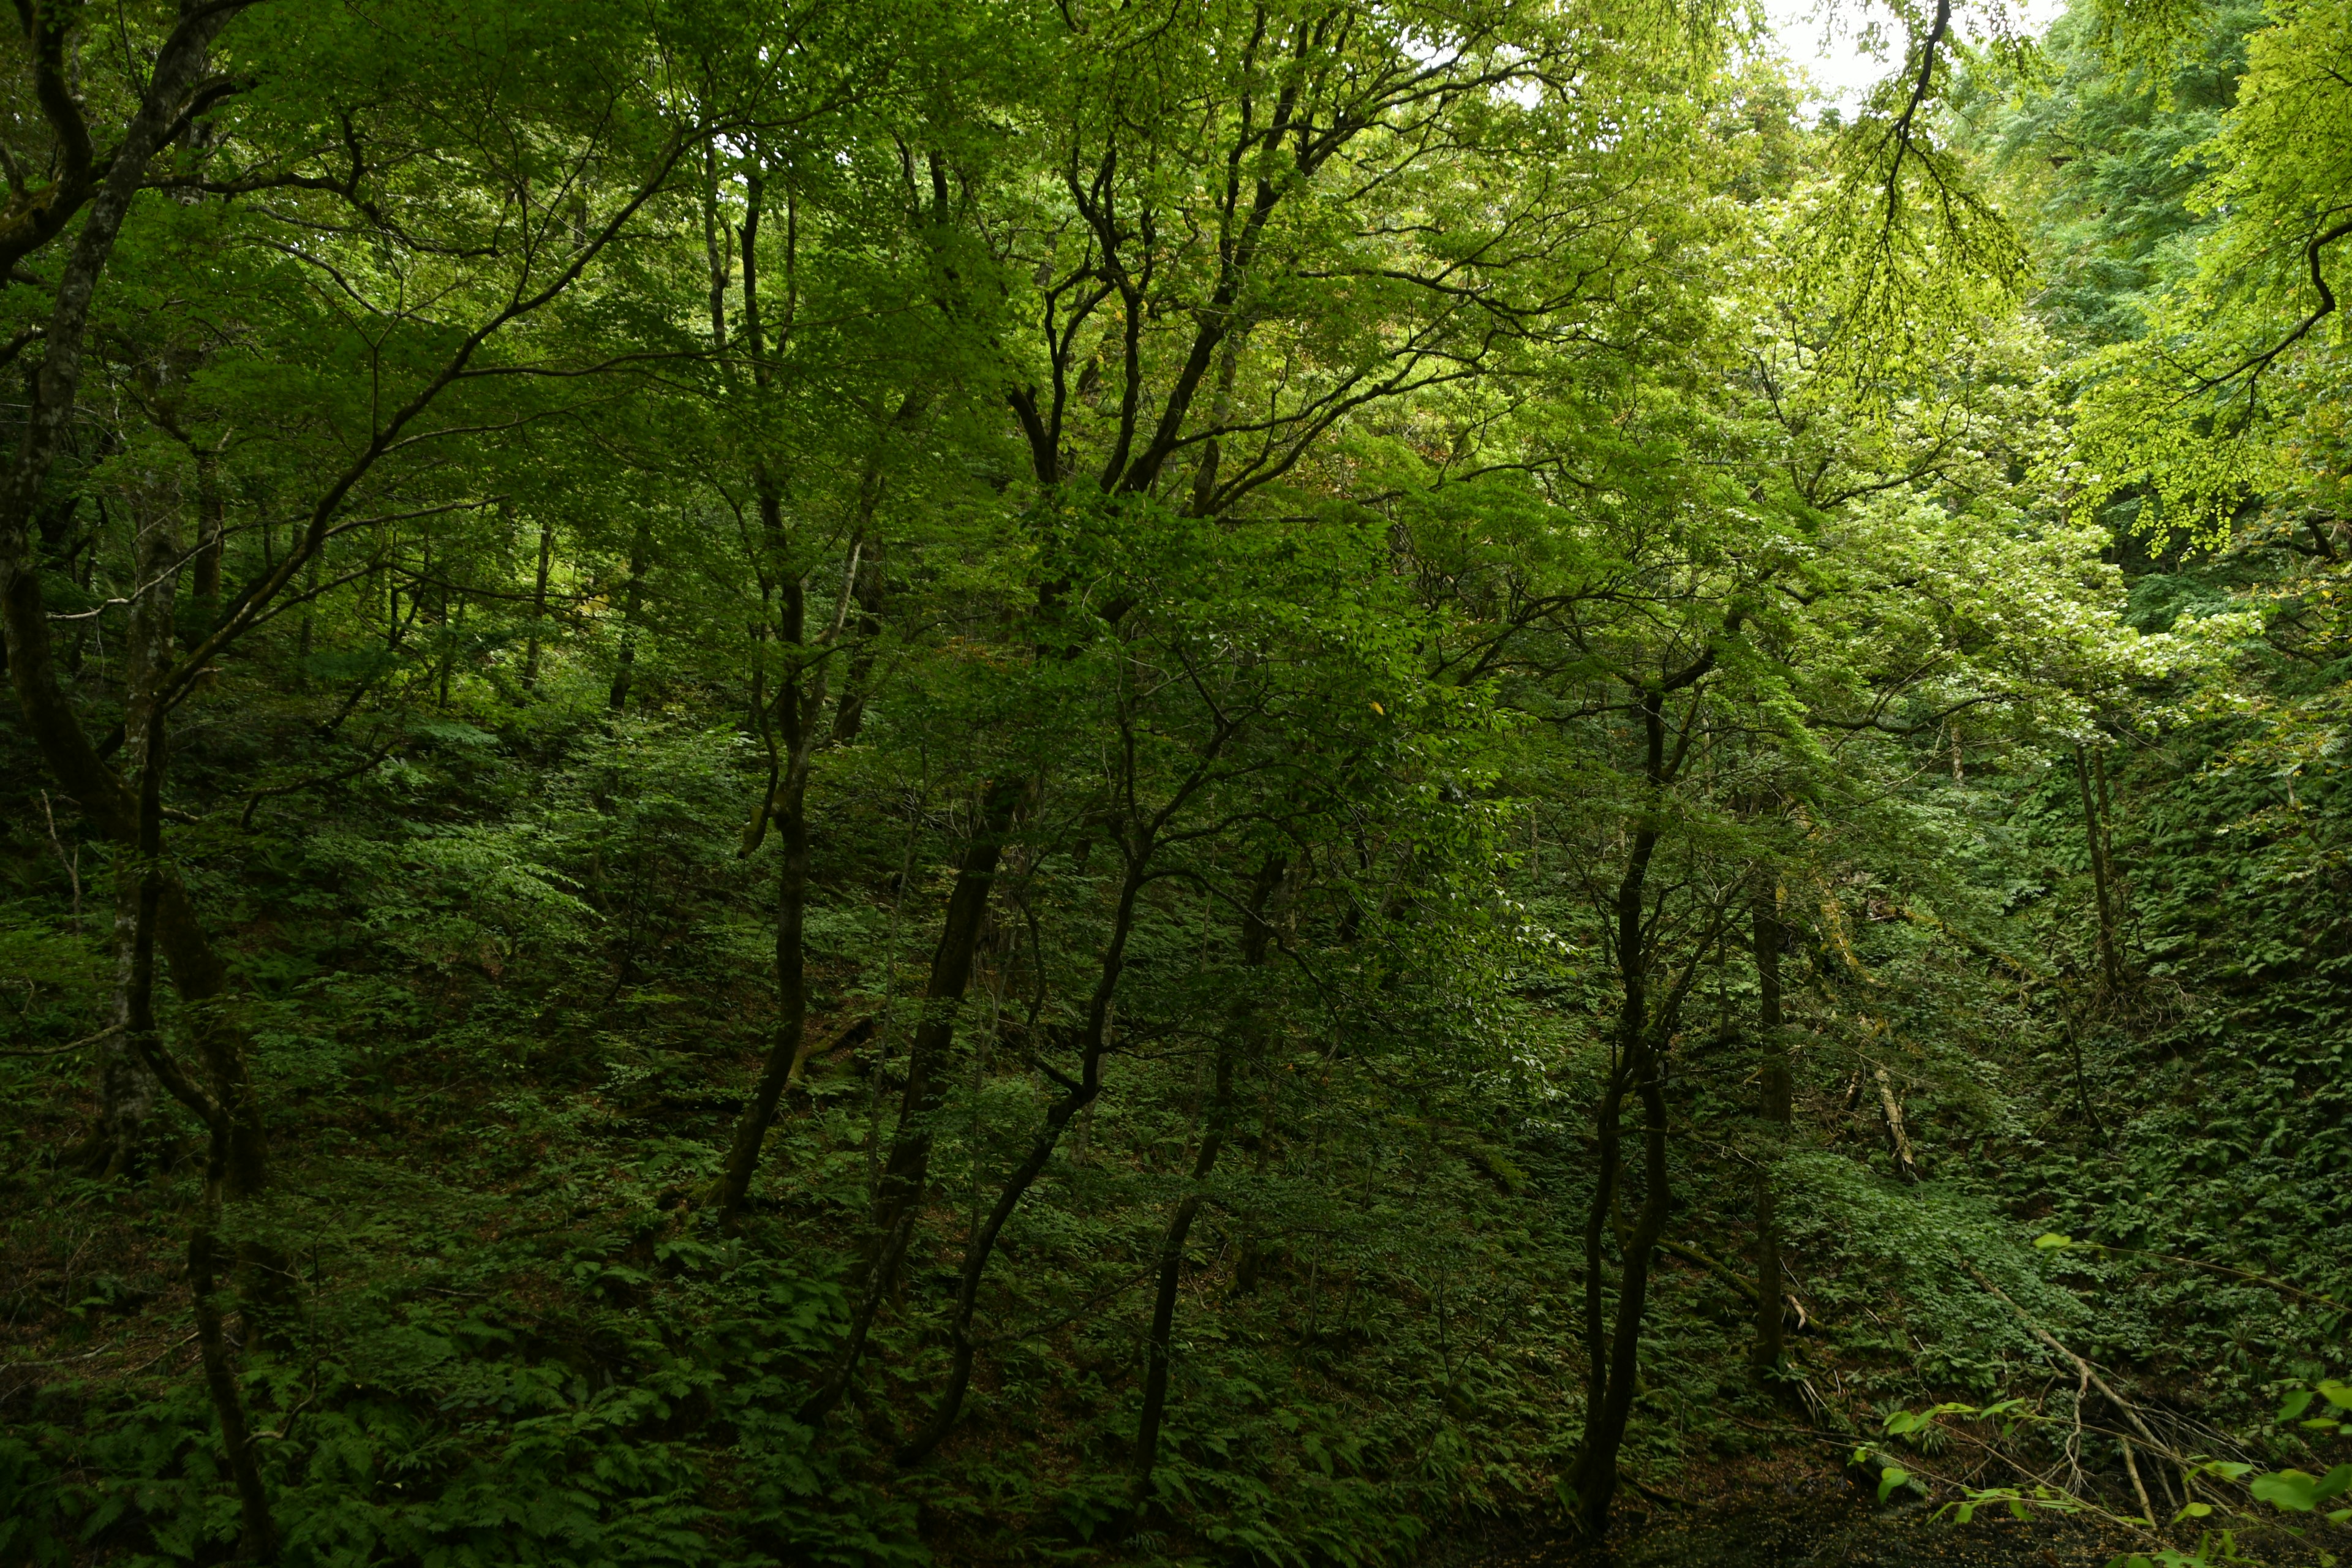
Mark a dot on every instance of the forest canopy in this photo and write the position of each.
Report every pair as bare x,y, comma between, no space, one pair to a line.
989,781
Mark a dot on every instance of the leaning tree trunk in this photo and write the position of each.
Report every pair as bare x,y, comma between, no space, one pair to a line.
127,1086
1077,1093
2111,972
633,605
787,803
1773,1106
538,606
1612,1353
1247,1028
907,1173
142,897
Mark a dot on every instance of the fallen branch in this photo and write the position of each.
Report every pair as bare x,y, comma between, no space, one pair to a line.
855,1034
70,1046
1897,1141
1715,1267
255,798
2090,1373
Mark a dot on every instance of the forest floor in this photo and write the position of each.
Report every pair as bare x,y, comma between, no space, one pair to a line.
1808,1520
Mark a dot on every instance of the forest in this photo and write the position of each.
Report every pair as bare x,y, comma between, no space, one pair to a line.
1293,783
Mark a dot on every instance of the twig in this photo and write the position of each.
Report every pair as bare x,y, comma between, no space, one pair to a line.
2090,1374
2140,1491
71,1046
255,798
2217,1268
73,867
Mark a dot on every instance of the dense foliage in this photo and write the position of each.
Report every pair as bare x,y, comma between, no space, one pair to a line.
1000,780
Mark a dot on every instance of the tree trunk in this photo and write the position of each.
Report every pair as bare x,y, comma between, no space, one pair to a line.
906,1173
1246,1029
791,1006
144,740
632,607
866,587
537,605
2119,885
1612,1353
127,1088
1076,1095
2110,958
1898,1142
1774,1108
204,563
795,718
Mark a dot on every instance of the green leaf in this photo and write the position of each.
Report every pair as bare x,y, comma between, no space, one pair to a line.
2287,1489
1890,1477
2051,1239
2295,1404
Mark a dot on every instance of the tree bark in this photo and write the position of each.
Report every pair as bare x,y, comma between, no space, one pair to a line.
633,598
1773,1106
2110,958
1245,1031
785,1047
127,1088
1613,1352
1898,1142
537,605
907,1173
258,1541
795,718
1076,1095
1136,852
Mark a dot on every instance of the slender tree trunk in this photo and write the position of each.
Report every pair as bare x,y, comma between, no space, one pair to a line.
1250,1268
257,1534
633,598
453,627
1898,1141
204,563
905,1174
1616,1348
127,1088
144,744
866,594
2083,1083
865,588
796,718
302,639
537,605
1613,1354
2110,959
258,1538
784,1050
1077,1094
1244,1031
1773,1106
2119,885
